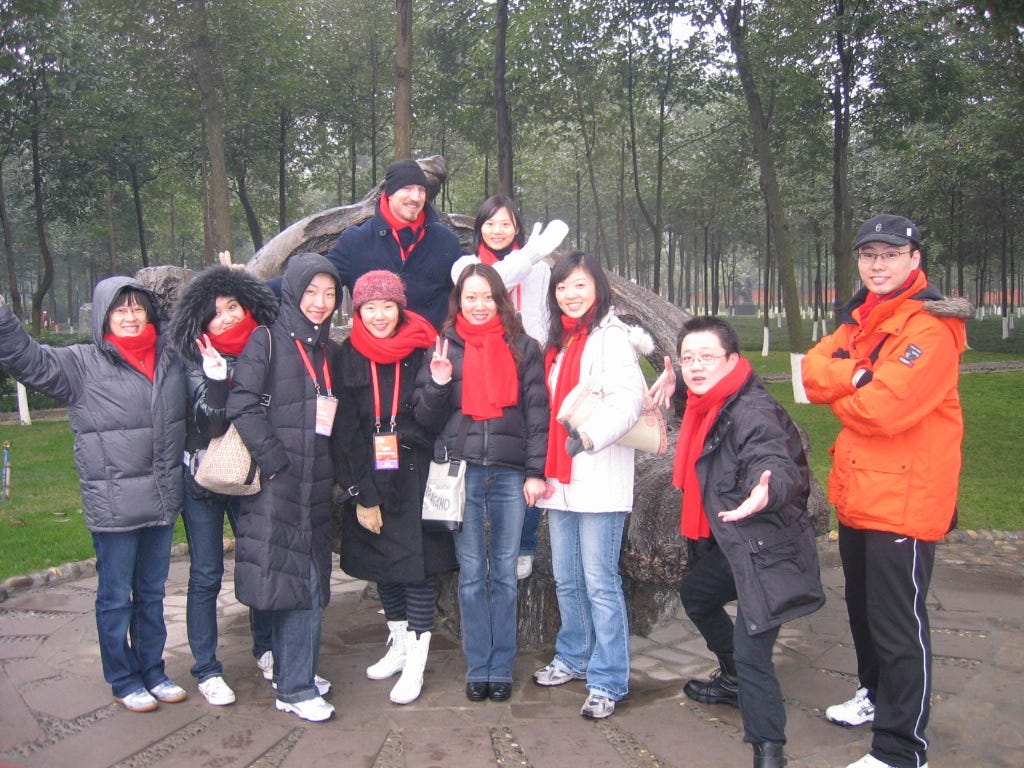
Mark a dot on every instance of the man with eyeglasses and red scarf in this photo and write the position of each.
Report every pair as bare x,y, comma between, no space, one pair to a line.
404,236
890,375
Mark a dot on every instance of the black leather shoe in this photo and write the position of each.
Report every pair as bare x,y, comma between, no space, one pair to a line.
476,691
722,688
500,691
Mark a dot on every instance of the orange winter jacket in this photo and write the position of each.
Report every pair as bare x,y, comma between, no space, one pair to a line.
896,460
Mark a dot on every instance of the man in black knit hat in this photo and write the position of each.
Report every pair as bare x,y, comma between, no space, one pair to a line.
404,236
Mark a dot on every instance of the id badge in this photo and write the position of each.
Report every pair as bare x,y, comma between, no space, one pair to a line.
326,407
385,450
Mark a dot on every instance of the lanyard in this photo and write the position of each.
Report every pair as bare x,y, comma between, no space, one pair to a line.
312,373
376,395
401,248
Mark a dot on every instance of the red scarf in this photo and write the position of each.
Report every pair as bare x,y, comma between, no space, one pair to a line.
415,333
490,258
138,351
406,233
232,341
698,418
872,300
574,337
490,380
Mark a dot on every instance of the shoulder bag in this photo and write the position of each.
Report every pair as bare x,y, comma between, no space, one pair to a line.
445,497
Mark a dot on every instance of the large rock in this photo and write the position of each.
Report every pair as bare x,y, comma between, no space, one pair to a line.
653,557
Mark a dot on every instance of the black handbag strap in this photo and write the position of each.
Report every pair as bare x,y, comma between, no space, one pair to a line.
460,440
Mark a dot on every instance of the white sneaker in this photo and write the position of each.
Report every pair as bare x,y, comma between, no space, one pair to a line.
139,700
168,692
315,710
323,685
266,665
856,711
870,761
524,566
216,691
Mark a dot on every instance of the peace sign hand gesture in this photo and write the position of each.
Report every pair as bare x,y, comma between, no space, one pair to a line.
440,365
214,365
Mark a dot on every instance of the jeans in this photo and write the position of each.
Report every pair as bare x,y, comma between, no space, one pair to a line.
131,570
488,589
528,541
297,647
593,639
204,529
705,590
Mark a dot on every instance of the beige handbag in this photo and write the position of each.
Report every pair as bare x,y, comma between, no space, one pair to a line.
227,467
648,434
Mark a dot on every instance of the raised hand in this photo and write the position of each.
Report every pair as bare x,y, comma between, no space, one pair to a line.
214,365
664,386
755,501
440,365
542,243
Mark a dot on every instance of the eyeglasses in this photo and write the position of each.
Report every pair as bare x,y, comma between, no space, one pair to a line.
886,257
704,358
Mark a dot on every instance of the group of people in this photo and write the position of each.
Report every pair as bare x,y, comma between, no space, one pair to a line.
472,358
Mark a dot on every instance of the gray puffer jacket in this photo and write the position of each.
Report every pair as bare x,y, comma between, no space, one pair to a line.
129,432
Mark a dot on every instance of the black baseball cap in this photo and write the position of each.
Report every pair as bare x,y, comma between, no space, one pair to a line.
887,228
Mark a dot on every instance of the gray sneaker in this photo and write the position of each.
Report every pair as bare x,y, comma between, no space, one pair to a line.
552,675
597,707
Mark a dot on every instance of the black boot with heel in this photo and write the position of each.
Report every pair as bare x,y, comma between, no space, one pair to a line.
721,688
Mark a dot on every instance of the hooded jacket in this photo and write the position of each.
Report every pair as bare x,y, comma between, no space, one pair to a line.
129,431
896,460
286,527
427,271
207,397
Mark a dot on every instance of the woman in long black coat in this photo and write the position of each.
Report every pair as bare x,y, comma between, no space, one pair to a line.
382,456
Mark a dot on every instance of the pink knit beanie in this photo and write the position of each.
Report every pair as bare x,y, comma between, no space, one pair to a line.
378,285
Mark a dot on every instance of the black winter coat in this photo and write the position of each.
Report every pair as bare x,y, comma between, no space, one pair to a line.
427,271
129,431
286,527
772,553
403,551
518,438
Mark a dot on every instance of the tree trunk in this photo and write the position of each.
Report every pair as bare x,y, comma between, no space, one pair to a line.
251,219
769,182
503,122
139,222
213,125
403,81
842,212
111,232
46,279
12,271
284,122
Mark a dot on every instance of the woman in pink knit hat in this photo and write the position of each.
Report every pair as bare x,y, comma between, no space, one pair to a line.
381,457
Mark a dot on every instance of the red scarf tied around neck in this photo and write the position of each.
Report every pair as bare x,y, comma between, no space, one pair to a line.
138,351
575,331
414,333
232,341
701,413
872,300
490,380
406,233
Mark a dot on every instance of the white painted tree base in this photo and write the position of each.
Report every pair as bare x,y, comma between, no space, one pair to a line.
23,414
796,370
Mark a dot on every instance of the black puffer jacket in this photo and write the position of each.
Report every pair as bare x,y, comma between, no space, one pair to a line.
772,553
402,551
129,432
518,438
286,527
207,398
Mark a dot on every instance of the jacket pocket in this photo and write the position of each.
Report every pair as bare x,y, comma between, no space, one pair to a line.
877,483
786,573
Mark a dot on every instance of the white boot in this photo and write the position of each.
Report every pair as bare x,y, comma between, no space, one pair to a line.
394,660
407,689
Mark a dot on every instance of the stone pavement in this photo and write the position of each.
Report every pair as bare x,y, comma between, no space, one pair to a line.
56,711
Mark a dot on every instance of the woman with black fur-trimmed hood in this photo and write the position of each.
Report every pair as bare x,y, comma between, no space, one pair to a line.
215,315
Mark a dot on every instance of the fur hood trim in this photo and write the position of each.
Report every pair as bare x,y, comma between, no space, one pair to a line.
950,307
195,306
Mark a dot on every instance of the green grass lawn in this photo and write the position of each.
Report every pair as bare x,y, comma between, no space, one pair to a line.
42,524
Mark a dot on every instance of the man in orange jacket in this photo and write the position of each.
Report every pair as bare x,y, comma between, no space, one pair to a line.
890,373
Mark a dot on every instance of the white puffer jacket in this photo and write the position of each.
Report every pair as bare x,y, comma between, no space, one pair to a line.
602,478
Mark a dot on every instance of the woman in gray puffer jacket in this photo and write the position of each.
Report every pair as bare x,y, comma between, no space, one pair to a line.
125,395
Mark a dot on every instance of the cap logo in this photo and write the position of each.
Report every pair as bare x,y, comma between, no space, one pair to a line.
908,232
878,227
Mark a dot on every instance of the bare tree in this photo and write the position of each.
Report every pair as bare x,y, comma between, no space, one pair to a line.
403,81
503,127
